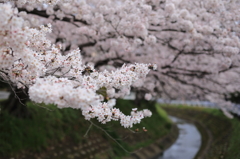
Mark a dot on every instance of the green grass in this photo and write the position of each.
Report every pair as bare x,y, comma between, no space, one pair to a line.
45,127
234,136
232,152
234,146
157,125
162,113
50,126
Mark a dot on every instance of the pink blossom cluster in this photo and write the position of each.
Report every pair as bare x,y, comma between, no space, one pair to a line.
29,59
195,45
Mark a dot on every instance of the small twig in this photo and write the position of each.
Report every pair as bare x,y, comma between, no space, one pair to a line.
115,27
42,106
132,130
88,130
16,96
55,70
113,138
66,72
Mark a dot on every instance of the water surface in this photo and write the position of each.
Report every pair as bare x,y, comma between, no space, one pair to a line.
187,144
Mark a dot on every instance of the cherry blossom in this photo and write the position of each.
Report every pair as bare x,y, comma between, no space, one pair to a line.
30,60
193,44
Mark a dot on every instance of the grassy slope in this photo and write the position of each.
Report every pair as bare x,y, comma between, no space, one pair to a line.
46,126
49,127
233,151
158,125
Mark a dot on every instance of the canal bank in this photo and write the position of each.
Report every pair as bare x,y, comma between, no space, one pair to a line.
215,130
64,134
183,142
220,135
157,148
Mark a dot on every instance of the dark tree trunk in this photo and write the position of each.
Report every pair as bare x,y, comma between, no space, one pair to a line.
16,103
139,97
141,102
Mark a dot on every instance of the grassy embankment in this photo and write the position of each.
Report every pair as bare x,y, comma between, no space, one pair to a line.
221,135
60,133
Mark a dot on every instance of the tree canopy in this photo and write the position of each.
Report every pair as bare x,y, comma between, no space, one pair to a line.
86,53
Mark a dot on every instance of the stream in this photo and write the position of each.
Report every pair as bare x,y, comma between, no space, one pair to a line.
187,144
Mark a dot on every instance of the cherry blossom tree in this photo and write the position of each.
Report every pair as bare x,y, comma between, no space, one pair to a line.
195,45
30,61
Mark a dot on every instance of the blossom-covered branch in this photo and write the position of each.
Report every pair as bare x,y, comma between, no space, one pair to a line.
29,59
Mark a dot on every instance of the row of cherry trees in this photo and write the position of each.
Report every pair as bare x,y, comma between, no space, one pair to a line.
194,44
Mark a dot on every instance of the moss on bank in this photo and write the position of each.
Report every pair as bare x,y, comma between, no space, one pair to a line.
59,133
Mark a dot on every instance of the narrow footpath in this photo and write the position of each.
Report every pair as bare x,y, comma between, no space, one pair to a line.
4,95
